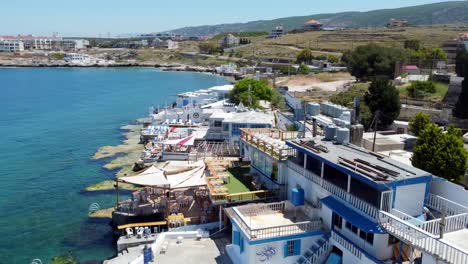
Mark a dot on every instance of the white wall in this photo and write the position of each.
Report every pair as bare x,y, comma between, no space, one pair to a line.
450,191
409,199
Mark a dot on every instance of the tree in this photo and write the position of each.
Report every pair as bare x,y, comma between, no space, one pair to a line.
303,69
441,154
418,123
250,91
277,100
372,60
438,54
413,44
333,58
208,48
305,56
419,89
383,98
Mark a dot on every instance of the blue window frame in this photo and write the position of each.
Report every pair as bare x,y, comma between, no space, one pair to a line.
236,238
292,248
241,245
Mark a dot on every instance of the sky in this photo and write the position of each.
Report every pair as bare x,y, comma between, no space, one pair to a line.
115,17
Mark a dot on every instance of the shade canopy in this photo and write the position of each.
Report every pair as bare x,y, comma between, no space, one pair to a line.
156,177
188,141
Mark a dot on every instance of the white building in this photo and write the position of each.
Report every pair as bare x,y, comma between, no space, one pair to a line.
346,205
230,40
48,43
278,32
11,45
165,43
77,58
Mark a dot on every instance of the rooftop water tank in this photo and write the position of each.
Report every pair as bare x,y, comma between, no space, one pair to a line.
330,132
297,196
346,116
342,136
313,109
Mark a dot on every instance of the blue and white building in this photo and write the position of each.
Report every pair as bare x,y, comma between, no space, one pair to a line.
347,205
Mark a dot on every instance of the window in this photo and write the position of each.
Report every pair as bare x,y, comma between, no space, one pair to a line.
351,227
235,238
335,176
314,165
371,195
292,248
369,237
337,220
218,123
226,127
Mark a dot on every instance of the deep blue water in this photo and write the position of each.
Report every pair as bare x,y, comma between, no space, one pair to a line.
51,123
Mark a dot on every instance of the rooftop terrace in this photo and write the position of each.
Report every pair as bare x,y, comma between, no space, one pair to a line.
372,166
261,221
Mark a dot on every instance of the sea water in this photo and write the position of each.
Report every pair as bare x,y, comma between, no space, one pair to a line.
52,120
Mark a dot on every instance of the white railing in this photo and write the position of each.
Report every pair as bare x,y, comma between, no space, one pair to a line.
452,223
405,216
347,245
337,191
421,239
386,200
320,255
276,231
285,230
440,204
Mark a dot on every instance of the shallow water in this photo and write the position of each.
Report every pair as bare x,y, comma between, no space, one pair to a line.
51,123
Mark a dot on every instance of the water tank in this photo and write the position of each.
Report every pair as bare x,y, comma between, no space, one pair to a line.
313,109
346,116
297,196
324,107
342,136
330,132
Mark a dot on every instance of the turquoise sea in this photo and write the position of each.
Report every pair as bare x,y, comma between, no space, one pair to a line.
52,120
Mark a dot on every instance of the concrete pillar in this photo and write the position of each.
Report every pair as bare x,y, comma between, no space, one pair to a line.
349,184
220,217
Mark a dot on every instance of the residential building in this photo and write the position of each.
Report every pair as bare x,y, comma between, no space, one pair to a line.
131,44
230,40
312,25
278,32
345,205
165,43
48,43
11,45
411,70
397,23
77,58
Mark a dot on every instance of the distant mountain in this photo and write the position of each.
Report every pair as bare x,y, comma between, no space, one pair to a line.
453,12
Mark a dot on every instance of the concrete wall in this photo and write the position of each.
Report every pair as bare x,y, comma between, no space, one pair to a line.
450,191
408,111
410,198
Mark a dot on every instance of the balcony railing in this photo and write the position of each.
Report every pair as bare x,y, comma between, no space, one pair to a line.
356,202
276,231
268,146
442,204
421,239
347,245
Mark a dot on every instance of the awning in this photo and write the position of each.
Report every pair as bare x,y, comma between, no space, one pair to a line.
188,141
352,216
155,177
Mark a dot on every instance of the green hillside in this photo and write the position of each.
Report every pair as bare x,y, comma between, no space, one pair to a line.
453,13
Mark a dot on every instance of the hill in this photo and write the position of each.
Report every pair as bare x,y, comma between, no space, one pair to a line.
444,13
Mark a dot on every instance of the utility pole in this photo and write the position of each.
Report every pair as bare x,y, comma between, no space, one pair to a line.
376,120
305,117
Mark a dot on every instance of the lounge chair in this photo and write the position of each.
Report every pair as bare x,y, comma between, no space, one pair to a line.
129,232
140,232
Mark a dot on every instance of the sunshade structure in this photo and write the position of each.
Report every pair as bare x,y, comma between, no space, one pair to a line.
155,177
188,141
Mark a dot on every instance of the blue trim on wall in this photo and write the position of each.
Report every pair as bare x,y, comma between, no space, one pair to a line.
372,258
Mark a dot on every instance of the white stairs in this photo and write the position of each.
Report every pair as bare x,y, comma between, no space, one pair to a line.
317,252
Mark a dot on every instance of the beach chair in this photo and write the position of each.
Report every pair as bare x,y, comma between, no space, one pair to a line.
129,232
147,231
140,232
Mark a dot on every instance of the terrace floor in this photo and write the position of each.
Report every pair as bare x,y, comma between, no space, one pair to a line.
458,239
192,251
236,184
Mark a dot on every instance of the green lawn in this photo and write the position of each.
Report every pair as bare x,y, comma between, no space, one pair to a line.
441,91
235,185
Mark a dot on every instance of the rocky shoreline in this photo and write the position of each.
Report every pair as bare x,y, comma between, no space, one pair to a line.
162,67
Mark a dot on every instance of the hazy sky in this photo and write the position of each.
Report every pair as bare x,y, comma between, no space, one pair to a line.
94,17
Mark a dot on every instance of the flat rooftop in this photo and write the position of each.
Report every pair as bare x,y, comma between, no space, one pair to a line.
458,239
192,251
374,166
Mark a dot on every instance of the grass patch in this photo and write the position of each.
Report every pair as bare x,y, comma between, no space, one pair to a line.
441,91
236,183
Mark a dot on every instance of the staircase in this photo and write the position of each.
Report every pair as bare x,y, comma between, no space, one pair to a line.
317,252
